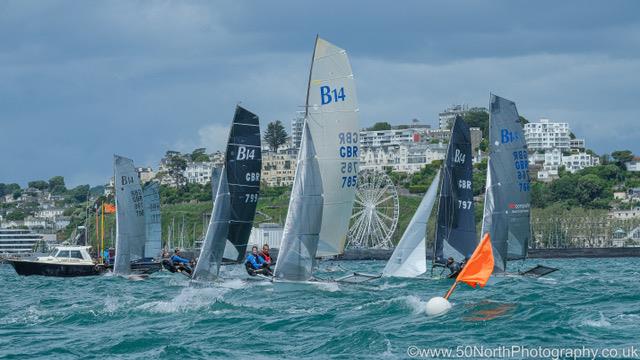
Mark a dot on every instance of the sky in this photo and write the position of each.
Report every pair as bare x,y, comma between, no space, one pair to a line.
82,80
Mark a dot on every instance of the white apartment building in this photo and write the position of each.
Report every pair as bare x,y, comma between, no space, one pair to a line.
446,118
578,161
406,158
217,158
145,174
393,137
546,135
198,173
577,144
297,124
552,161
625,214
278,169
633,165
49,214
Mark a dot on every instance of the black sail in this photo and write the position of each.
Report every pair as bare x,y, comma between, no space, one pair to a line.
456,230
243,165
508,199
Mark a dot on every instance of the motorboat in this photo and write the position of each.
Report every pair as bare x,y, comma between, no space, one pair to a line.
64,261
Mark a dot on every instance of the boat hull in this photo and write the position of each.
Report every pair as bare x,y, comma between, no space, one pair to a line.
27,268
145,267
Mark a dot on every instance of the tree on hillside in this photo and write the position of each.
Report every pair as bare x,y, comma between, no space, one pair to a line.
479,119
56,185
176,165
275,135
39,184
621,157
16,215
8,189
200,155
80,193
379,126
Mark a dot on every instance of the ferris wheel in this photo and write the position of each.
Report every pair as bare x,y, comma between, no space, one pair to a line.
375,211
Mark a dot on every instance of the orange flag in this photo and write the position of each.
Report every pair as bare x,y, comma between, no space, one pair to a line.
109,208
480,266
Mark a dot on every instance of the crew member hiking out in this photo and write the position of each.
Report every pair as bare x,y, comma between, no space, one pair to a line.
256,265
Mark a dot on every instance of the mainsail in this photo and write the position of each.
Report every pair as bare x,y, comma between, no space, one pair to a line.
507,198
210,259
409,257
243,165
130,227
236,196
456,229
151,199
332,119
304,217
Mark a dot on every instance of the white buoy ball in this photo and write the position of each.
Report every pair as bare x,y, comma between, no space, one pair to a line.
437,306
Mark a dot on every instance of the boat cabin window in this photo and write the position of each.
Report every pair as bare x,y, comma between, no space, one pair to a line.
76,254
63,254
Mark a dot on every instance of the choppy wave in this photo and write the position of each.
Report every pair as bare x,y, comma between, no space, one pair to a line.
166,316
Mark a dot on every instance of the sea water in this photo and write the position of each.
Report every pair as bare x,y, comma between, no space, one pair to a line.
587,304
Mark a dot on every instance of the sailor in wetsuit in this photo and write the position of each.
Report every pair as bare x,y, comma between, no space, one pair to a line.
255,264
180,263
453,267
267,256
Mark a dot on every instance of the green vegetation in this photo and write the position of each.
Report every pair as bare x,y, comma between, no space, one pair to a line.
379,126
275,135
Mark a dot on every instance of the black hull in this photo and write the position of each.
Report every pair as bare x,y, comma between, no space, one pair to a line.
145,267
27,268
142,267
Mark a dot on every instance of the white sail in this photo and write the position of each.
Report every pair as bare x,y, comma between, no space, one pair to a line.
304,217
409,257
332,118
130,226
210,259
153,244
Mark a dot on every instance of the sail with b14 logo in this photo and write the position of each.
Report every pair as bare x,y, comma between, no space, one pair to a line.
332,118
456,228
235,195
507,198
130,218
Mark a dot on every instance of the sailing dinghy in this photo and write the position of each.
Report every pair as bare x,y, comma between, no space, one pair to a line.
236,193
507,204
456,228
130,218
326,177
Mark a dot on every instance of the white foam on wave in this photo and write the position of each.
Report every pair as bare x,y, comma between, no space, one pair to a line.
327,286
190,298
387,286
411,302
233,284
603,322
